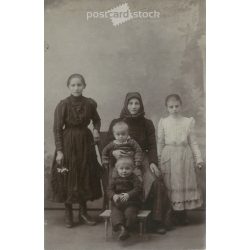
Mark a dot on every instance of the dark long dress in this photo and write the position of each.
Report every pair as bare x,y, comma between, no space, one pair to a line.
75,140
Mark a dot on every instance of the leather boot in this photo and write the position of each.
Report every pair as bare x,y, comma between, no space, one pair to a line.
124,233
68,216
181,218
84,217
184,219
169,223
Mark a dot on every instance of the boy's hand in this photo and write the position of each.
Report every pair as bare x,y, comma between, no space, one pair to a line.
116,197
124,197
118,153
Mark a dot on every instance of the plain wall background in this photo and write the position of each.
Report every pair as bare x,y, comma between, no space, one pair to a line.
155,57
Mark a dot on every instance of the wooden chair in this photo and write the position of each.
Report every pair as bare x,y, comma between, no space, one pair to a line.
141,216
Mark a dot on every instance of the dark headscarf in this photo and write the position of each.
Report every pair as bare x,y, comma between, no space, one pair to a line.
125,112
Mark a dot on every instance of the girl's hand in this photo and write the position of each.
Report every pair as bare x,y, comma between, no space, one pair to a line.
96,135
119,153
154,169
59,158
124,197
200,165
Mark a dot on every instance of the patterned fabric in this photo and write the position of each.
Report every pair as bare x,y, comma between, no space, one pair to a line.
130,146
75,140
178,153
143,132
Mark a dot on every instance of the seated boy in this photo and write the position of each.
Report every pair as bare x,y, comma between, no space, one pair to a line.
125,193
122,142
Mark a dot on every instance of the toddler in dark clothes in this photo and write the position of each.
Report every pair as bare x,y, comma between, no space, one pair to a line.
122,142
125,193
127,145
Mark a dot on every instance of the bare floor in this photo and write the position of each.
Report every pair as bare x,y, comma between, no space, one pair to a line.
83,237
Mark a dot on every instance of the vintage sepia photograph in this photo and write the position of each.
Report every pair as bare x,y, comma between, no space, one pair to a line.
124,124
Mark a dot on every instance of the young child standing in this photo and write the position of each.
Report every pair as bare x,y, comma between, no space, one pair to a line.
122,142
125,192
179,157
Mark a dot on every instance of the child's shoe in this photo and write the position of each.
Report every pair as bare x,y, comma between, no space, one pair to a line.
124,233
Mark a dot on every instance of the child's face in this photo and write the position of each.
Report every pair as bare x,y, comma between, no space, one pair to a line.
124,169
133,106
121,133
76,86
174,107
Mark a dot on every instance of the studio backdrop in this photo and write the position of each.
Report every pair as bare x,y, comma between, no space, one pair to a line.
156,54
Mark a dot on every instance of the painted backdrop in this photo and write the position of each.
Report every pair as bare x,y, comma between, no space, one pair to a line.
155,57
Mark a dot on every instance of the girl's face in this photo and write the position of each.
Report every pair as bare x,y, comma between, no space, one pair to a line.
174,107
133,106
76,86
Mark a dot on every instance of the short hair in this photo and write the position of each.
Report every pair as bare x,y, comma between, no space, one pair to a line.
76,75
125,159
120,124
173,96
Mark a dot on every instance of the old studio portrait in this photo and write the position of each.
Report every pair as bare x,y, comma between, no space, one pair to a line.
124,124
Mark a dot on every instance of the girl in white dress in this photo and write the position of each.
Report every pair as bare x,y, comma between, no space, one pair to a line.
179,157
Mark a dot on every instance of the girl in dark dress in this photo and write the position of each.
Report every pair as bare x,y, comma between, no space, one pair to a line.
142,130
75,176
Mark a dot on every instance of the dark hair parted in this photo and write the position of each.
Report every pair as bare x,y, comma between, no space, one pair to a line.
173,96
79,76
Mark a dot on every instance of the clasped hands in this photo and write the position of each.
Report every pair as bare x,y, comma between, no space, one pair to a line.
123,197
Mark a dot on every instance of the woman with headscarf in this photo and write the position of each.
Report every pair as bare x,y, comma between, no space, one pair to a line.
142,130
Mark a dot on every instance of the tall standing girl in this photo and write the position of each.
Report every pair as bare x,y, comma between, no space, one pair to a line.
179,157
75,166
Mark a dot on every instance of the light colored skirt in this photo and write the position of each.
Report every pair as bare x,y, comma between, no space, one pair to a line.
179,174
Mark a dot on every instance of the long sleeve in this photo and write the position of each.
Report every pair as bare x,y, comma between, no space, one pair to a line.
193,143
58,126
138,152
96,120
152,149
111,189
106,153
160,138
136,192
